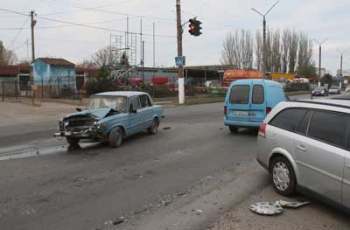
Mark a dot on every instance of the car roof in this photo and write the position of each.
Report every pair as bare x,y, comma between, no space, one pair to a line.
249,81
121,93
345,103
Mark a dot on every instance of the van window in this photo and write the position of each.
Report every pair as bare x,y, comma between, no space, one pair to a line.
258,94
329,127
240,94
288,119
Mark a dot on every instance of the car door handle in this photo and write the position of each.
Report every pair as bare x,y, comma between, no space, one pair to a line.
301,148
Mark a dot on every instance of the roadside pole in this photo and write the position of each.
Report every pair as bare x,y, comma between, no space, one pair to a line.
179,53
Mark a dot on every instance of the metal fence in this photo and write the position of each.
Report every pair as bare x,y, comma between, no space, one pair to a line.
17,92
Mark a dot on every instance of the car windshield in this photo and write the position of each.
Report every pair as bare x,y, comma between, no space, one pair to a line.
117,103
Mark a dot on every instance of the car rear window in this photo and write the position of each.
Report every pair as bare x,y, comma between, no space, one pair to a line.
240,94
258,94
288,119
329,127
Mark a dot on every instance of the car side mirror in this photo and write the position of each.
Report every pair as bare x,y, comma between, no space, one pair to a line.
78,109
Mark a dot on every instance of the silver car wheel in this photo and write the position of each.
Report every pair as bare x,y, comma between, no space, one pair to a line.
281,177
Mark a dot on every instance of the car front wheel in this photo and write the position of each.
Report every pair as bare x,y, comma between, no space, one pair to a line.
283,176
116,137
72,140
153,129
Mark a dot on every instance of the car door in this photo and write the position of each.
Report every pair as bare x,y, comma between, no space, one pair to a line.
320,155
258,103
135,120
146,111
346,182
238,106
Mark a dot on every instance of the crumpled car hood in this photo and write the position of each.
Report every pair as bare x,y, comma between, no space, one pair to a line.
98,113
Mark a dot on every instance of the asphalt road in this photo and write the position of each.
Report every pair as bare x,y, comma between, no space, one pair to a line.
49,187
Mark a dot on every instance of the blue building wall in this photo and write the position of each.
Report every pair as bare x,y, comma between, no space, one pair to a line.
53,76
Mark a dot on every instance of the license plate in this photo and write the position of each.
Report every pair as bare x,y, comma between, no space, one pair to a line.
240,113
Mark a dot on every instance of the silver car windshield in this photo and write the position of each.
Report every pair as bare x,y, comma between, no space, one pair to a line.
117,103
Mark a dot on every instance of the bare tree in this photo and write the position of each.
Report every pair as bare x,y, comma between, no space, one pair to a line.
285,49
293,51
238,50
258,49
105,57
276,52
7,57
269,50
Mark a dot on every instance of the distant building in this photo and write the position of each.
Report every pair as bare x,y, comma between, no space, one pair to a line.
53,75
14,79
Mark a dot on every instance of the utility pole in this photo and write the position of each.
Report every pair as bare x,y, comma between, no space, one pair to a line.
32,24
320,59
341,61
154,49
264,38
179,53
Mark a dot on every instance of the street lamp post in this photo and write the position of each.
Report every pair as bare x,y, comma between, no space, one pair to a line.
264,37
320,59
341,61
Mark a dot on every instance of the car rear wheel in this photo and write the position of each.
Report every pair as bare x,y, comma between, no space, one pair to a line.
233,129
116,137
283,176
153,129
72,140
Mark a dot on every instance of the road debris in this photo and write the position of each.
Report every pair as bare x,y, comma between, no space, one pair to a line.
119,221
266,208
166,128
293,204
199,212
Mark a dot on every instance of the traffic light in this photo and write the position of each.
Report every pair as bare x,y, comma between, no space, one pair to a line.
195,27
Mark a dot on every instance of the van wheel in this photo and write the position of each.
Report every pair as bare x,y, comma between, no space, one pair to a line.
233,129
116,137
283,176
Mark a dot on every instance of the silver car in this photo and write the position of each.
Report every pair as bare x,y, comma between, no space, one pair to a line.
305,147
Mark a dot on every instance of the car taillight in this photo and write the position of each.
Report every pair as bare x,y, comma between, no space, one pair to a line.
262,130
268,110
225,110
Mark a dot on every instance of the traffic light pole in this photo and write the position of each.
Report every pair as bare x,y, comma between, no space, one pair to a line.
181,81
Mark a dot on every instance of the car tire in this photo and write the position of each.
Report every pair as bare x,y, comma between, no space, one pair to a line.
283,176
153,129
233,129
116,137
72,140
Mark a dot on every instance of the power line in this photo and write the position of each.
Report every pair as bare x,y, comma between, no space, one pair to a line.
83,25
113,12
13,41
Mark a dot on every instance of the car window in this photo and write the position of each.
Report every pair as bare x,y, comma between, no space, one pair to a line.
144,101
135,103
240,94
304,124
258,94
329,127
150,101
288,119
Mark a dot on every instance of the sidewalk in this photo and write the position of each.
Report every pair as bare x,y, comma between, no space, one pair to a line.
314,216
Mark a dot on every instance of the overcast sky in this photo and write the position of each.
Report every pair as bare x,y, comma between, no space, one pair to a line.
319,18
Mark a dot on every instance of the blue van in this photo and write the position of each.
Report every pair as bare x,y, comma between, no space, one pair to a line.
249,101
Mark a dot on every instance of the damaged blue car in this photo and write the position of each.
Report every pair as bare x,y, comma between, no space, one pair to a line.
112,117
